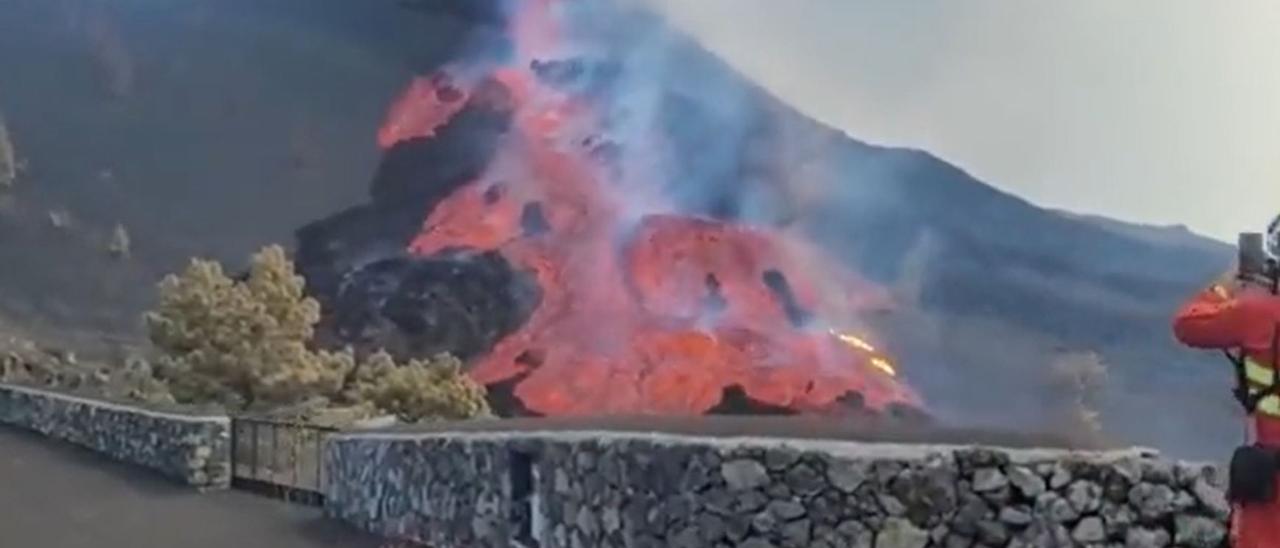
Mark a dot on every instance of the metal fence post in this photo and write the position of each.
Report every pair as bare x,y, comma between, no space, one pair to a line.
294,440
320,462
235,447
275,450
253,467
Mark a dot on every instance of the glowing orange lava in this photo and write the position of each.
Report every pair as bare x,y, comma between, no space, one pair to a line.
424,106
652,314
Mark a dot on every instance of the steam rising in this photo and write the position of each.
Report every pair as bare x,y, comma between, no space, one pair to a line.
1157,111
689,137
728,149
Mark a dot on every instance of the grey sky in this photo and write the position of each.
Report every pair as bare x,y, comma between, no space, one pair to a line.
1161,111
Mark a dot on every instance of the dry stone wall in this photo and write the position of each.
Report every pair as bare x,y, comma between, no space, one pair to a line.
593,489
191,449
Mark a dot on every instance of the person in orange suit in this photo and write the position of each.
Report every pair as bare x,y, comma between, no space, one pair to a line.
1241,315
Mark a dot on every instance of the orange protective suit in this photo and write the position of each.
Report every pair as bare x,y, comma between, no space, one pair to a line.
1218,319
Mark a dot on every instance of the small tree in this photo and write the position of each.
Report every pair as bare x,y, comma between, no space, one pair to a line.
243,343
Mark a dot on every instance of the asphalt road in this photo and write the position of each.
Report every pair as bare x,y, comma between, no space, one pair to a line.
53,495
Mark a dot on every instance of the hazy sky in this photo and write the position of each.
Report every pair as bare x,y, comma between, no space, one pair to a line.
1162,111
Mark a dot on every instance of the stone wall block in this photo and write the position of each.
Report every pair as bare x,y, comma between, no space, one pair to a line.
621,490
194,450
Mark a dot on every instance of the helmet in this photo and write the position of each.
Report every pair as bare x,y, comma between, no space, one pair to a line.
1271,244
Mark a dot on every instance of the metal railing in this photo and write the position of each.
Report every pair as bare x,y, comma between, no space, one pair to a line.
279,458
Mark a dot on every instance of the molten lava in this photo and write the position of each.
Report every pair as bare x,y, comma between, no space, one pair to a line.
426,105
857,342
639,313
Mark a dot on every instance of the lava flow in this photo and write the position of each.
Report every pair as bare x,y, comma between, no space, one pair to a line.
640,312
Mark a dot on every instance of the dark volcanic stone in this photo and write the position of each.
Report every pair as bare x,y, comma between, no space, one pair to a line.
804,480
418,173
696,477
993,533
373,295
927,494
786,510
797,534
331,247
711,527
413,176
780,458
461,304
970,460
972,510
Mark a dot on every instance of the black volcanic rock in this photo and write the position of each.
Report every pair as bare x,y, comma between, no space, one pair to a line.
460,303
329,248
378,297
422,171
412,177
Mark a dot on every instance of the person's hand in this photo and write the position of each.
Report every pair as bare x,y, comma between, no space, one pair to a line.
1229,284
1229,278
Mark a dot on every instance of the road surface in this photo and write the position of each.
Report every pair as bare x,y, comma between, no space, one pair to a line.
58,496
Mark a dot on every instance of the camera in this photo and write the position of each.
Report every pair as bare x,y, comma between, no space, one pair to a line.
1255,264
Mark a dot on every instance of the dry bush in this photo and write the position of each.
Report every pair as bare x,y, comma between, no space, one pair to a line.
245,344
24,362
137,380
420,390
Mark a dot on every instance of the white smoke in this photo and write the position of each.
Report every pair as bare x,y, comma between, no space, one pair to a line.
1159,111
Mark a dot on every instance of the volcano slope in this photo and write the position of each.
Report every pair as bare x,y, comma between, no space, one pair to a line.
967,264
219,160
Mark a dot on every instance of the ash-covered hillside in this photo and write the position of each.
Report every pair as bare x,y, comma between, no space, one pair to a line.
199,128
257,118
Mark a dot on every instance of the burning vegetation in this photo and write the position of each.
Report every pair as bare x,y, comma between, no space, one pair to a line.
602,295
